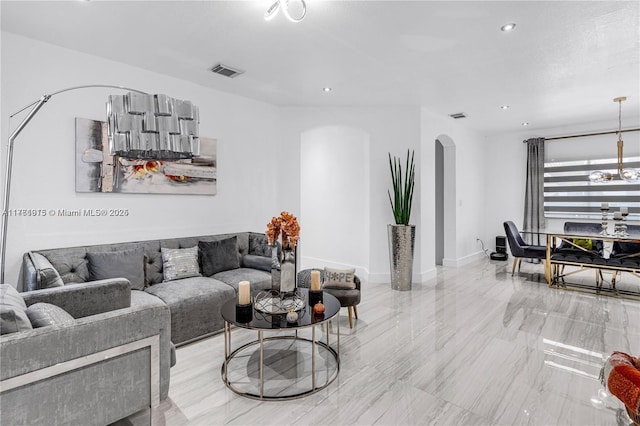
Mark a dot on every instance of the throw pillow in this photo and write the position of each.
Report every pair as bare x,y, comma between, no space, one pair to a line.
259,245
218,256
180,263
44,314
127,264
257,262
339,278
13,311
586,244
46,275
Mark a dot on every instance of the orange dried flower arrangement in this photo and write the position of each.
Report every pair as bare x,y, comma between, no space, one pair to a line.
285,225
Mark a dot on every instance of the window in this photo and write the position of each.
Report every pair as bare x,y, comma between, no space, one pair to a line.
568,193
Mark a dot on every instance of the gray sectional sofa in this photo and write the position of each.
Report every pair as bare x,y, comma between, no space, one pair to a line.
194,302
109,306
92,368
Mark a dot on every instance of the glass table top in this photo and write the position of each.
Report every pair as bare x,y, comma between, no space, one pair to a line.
257,320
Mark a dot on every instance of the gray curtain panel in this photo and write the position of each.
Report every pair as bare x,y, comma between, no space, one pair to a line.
534,194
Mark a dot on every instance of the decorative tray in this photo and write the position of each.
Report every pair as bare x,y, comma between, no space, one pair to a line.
275,303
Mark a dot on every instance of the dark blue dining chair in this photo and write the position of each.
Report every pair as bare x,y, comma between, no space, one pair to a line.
520,249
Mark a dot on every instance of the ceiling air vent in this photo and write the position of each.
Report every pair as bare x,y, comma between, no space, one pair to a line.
458,115
226,71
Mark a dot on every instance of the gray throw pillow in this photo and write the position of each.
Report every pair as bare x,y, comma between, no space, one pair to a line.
127,264
339,278
257,262
13,311
259,245
44,314
46,275
180,263
218,256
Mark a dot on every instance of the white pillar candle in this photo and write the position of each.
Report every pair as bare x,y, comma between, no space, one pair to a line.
315,280
244,293
624,210
617,215
604,206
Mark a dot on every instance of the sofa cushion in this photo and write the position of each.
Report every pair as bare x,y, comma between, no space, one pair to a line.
339,278
195,305
259,245
216,256
13,311
46,274
259,280
257,262
44,314
180,263
71,263
127,264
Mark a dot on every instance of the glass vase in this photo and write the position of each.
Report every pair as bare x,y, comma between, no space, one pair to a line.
275,268
288,271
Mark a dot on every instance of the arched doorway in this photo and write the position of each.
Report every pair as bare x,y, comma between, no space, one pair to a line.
445,200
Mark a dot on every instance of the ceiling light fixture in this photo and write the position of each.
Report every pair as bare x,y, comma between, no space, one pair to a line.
504,107
508,27
327,89
525,123
628,175
294,10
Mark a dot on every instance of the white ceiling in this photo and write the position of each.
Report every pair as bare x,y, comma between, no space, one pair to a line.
563,64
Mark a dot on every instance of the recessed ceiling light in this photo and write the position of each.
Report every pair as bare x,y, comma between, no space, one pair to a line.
504,107
508,27
327,89
525,124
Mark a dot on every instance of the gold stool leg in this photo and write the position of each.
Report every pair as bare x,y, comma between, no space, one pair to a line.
515,262
350,319
355,311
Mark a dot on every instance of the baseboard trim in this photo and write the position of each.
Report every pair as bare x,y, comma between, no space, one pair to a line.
461,261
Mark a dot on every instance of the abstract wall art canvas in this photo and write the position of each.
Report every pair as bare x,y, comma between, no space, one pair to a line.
97,171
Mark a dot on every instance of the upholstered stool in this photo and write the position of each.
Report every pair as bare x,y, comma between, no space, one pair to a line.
349,298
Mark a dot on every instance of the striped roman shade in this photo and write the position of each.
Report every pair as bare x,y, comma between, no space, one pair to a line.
568,193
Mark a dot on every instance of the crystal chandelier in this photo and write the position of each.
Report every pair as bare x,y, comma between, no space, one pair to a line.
628,175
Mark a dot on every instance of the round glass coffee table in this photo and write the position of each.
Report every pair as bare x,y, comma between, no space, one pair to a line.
289,365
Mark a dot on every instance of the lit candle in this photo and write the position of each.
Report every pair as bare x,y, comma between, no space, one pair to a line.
315,280
624,210
244,293
604,206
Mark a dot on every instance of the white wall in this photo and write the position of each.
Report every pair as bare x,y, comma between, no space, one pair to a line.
471,189
334,175
396,129
390,129
43,172
506,158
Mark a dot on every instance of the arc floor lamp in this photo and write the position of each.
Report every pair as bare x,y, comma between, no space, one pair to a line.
140,126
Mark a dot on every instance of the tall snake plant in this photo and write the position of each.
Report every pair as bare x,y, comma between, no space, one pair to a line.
402,189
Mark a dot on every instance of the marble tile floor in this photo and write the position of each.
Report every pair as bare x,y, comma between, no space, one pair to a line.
475,346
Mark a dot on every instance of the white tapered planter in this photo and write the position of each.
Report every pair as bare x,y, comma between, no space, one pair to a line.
401,244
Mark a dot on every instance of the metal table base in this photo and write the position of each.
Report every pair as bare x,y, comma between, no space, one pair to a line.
230,355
